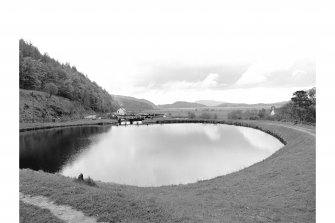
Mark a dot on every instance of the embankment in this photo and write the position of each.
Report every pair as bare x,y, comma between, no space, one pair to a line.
39,106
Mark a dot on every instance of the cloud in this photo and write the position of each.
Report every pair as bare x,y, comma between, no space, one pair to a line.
263,81
269,73
210,81
298,73
210,76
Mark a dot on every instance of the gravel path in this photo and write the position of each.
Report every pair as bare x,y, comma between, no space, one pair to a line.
301,129
63,212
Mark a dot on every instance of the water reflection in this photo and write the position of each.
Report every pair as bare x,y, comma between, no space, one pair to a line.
147,155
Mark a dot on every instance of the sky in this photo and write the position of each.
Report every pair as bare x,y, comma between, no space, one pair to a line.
230,51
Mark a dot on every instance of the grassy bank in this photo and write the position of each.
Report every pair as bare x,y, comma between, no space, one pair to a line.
280,188
39,106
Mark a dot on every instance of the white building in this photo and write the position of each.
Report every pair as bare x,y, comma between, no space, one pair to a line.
91,117
121,111
272,111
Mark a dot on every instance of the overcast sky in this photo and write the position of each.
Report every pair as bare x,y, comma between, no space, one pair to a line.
234,51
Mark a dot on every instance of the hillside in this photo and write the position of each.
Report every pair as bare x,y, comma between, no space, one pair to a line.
182,104
209,103
134,104
42,107
277,104
42,73
212,103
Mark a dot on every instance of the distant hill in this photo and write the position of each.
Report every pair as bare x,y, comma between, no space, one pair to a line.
209,103
182,104
134,104
212,103
277,104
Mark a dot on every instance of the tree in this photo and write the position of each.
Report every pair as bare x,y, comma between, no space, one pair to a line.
262,113
302,107
286,111
29,74
312,95
191,115
66,90
301,104
51,88
236,114
205,115
301,99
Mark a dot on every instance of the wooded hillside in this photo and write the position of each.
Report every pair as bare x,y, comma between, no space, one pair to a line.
43,73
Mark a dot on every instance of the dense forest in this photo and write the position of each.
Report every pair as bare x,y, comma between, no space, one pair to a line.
43,73
301,108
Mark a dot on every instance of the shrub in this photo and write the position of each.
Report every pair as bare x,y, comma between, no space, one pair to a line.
51,88
88,181
205,115
191,115
237,114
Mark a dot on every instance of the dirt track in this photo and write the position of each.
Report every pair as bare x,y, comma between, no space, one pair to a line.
63,212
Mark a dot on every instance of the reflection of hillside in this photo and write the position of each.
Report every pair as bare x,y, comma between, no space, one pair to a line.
49,150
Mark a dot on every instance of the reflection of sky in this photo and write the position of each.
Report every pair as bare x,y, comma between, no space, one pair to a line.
171,154
260,140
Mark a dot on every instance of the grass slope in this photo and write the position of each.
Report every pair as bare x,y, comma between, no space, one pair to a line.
47,108
280,188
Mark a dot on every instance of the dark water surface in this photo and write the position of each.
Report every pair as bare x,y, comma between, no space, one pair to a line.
151,155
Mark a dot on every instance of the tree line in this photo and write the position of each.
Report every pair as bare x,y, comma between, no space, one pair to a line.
43,73
301,108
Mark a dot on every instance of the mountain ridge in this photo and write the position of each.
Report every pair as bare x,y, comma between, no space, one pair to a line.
134,104
182,104
185,104
209,102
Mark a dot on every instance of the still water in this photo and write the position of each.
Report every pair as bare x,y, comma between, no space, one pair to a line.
143,155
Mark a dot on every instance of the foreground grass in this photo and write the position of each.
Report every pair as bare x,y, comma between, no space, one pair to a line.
280,188
32,214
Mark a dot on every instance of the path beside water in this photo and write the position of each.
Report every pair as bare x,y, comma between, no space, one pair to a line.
63,212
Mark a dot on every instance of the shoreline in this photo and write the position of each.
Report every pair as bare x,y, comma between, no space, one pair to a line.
82,122
48,125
